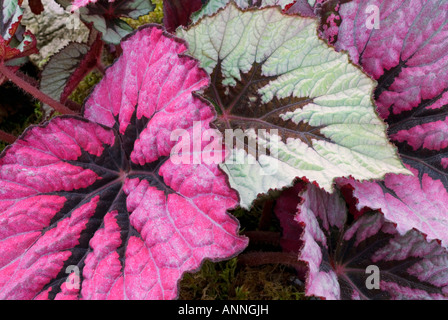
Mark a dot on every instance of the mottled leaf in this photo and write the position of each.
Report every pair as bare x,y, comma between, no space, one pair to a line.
60,67
295,97
286,210
212,6
10,18
67,68
36,6
100,211
410,62
106,15
367,258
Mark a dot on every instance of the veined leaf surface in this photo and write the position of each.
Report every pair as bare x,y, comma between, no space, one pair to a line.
95,208
297,98
410,62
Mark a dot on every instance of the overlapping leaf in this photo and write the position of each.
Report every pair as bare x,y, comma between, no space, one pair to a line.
67,68
212,6
271,72
305,8
95,208
341,255
410,62
61,66
286,210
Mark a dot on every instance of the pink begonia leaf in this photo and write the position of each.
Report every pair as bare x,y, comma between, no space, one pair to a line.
366,258
409,60
15,42
178,12
100,211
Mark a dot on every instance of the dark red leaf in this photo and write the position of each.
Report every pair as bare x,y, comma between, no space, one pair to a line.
366,258
36,6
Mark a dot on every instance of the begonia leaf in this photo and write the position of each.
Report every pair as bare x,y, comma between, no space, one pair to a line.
95,207
68,67
178,12
57,72
15,42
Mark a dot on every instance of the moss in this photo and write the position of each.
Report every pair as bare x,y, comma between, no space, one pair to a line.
153,17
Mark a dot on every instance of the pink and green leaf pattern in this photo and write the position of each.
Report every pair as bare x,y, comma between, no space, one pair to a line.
341,253
95,208
409,61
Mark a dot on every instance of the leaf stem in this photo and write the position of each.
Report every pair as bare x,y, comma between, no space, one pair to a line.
36,93
6,137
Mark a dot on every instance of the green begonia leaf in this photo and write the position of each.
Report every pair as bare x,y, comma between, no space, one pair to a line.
305,109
